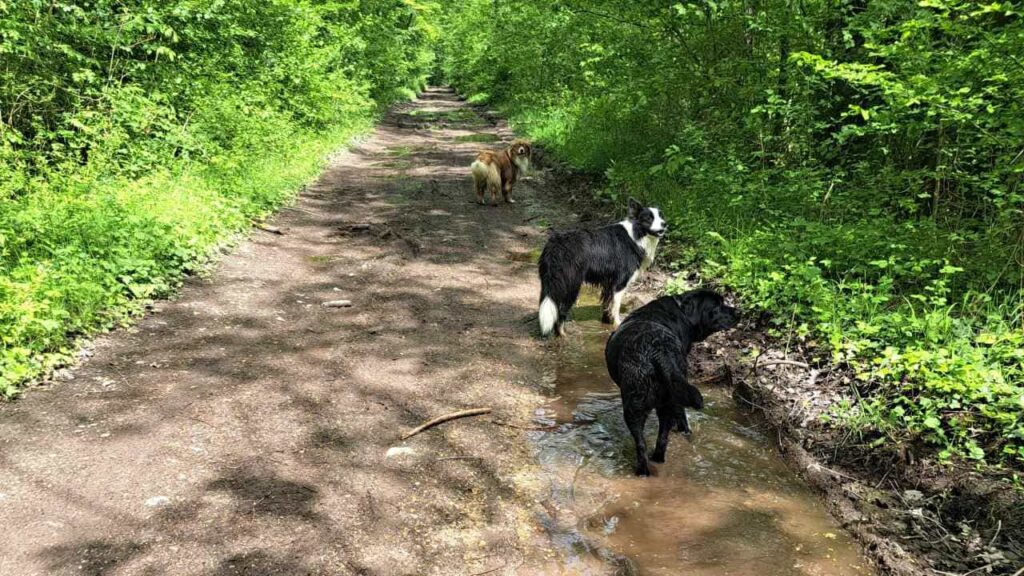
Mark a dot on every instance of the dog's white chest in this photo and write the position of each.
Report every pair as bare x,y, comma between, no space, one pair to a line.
650,246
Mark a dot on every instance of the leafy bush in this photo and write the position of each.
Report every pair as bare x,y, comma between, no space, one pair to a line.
137,137
851,167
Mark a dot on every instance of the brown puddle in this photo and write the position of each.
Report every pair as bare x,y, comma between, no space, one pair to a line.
724,503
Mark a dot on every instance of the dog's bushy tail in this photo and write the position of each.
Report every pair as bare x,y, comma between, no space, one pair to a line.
560,281
484,173
547,315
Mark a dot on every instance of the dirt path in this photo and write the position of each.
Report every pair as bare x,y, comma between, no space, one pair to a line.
242,428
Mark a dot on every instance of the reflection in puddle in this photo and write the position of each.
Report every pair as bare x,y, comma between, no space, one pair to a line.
723,503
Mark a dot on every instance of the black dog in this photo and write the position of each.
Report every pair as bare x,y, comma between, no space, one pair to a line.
611,257
646,357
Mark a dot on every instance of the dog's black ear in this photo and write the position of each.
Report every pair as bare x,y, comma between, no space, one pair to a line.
633,209
688,307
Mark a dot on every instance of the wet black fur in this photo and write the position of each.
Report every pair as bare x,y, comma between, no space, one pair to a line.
607,257
646,357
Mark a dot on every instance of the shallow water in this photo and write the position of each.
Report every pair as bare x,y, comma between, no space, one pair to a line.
723,503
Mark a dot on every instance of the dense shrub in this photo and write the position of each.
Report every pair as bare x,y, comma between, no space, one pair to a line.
136,136
852,166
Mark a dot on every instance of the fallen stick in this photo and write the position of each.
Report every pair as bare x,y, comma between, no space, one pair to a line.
489,571
269,228
450,458
445,418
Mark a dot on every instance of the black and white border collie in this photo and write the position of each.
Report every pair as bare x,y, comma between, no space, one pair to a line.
646,358
610,257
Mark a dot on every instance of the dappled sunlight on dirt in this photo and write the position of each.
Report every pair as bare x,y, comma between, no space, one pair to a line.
242,429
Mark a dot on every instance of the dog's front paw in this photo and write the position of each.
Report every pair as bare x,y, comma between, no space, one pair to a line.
658,457
684,428
510,201
643,469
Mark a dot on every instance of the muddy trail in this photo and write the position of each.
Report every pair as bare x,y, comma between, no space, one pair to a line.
724,502
245,428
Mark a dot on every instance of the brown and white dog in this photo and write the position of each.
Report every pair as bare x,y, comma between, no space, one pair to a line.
499,170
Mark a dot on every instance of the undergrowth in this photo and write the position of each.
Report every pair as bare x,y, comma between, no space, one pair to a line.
137,139
851,169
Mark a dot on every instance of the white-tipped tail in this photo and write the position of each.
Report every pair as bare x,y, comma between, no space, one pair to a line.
547,315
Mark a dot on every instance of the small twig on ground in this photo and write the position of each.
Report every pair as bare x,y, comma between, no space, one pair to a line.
971,572
271,229
754,404
803,365
489,571
200,420
445,418
999,526
827,469
457,458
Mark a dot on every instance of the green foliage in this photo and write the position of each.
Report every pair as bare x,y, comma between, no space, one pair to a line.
479,137
136,137
853,168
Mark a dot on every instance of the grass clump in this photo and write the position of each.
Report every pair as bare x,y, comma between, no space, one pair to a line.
482,137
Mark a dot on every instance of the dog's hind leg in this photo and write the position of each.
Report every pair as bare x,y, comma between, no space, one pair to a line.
506,192
615,309
607,293
572,294
481,186
666,419
482,175
494,193
683,425
635,421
